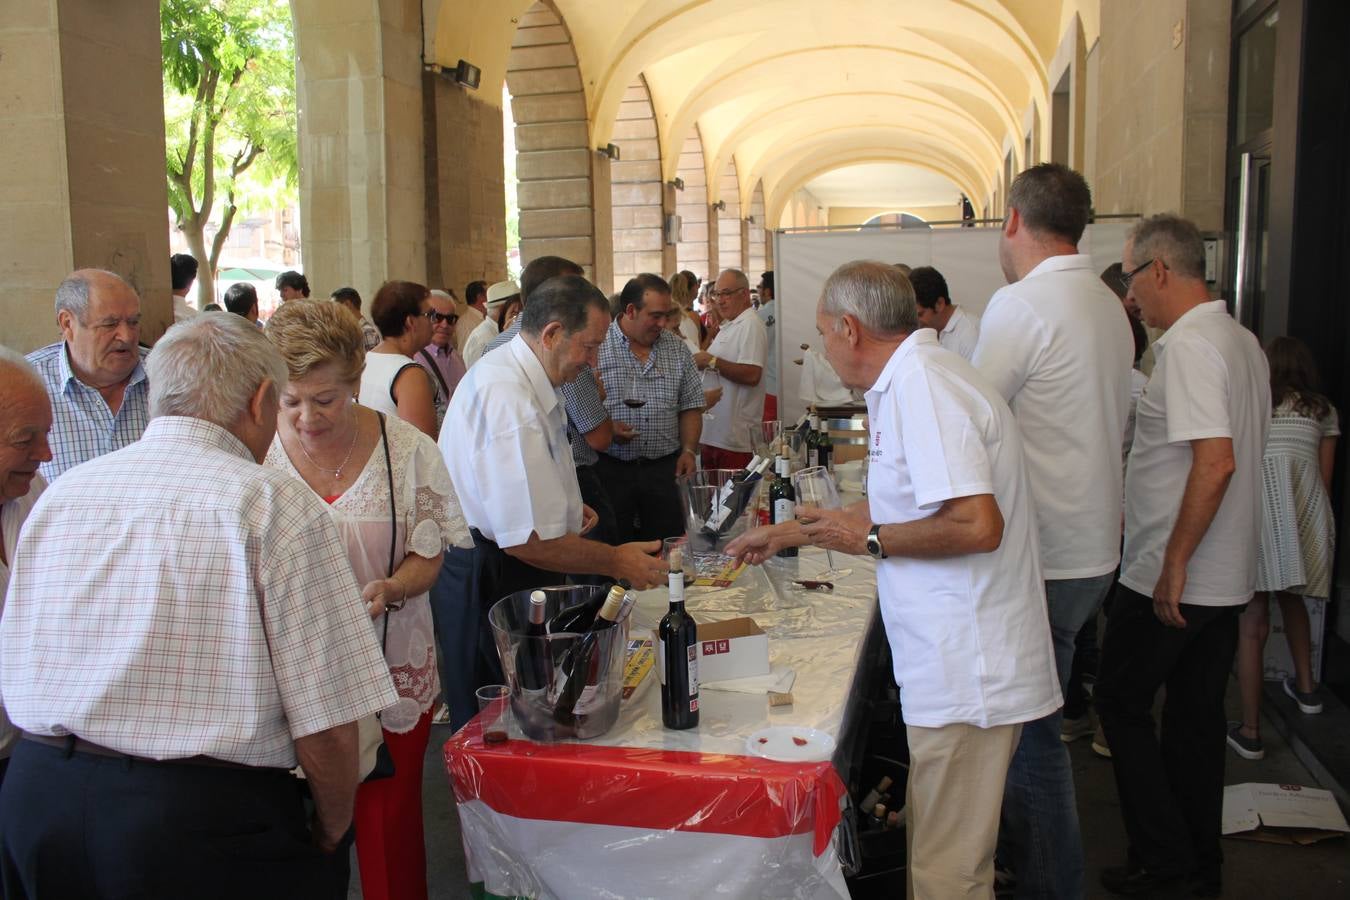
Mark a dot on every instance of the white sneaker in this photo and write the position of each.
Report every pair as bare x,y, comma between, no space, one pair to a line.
1309,703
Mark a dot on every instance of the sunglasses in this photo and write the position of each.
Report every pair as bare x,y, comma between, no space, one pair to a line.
437,317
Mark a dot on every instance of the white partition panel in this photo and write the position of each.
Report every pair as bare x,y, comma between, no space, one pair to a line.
966,257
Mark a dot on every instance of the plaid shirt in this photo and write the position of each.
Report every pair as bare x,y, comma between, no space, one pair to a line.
669,383
585,410
215,614
82,425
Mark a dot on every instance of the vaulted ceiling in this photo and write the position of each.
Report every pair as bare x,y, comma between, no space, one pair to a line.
793,89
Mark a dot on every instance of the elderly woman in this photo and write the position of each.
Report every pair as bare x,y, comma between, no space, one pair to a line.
391,497
392,382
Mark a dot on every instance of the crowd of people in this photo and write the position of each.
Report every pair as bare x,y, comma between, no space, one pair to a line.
263,549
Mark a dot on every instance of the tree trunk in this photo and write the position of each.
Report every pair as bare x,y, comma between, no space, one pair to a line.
195,232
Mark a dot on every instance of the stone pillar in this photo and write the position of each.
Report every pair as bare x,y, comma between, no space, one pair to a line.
691,204
714,244
729,246
362,164
668,208
637,194
81,159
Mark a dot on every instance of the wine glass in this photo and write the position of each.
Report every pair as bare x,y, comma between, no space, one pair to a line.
816,489
711,382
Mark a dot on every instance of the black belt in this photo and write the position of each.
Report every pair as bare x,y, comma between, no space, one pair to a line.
72,744
642,460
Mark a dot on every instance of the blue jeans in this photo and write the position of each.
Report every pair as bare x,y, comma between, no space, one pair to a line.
1039,837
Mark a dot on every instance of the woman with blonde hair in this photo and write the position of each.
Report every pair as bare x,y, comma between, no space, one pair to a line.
685,322
394,505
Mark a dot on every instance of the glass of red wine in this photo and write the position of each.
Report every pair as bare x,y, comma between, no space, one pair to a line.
494,711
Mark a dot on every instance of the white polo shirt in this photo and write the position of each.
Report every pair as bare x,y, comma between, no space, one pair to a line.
742,340
1056,345
504,440
1211,380
477,341
961,333
969,634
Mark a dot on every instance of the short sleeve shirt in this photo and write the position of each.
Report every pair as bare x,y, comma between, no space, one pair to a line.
969,634
1211,380
520,477
961,333
668,383
742,340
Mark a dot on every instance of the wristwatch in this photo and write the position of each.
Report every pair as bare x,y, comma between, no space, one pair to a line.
712,364
874,548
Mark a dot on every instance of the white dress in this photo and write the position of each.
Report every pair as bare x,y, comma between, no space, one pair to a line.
429,518
1297,531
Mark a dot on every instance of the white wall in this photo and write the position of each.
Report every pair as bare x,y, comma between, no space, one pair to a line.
966,257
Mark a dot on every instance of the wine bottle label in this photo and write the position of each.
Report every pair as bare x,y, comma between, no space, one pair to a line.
782,510
693,678
589,701
812,457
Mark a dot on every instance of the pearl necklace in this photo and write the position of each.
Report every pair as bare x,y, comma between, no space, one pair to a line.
337,473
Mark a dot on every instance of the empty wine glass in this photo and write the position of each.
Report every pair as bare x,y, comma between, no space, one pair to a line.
711,382
816,489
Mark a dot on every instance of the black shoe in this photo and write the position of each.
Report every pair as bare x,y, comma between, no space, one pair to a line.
1130,882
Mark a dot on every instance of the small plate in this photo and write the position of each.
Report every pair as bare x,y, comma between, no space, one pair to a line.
790,743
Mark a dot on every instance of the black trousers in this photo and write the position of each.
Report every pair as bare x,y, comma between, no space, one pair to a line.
596,495
646,501
77,825
1171,784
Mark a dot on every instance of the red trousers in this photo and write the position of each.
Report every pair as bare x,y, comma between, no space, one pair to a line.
717,458
390,848
770,408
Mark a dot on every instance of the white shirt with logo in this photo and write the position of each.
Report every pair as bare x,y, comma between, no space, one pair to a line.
742,340
969,634
1211,380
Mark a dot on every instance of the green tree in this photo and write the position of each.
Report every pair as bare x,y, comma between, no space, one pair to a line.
229,104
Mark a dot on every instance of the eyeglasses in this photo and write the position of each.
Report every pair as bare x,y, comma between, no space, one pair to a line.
436,317
1127,277
728,292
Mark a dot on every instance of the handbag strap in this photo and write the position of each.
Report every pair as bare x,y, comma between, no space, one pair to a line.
393,516
436,370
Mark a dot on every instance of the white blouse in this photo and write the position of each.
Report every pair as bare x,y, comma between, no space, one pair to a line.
429,519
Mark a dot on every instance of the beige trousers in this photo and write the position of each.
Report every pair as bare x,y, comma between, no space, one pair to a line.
952,803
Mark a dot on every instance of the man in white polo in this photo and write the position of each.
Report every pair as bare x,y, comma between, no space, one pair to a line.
1056,345
948,516
734,361
1192,522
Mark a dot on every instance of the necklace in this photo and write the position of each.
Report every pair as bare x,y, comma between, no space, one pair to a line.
337,473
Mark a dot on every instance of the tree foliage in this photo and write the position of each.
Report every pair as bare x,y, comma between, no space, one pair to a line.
229,103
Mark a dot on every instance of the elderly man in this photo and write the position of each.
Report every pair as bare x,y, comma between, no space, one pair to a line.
183,271
1055,344
656,392
25,420
949,518
1192,523
957,330
503,302
94,374
734,361
527,518
442,362
171,654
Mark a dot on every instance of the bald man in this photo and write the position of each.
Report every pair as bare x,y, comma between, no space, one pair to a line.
25,419
95,374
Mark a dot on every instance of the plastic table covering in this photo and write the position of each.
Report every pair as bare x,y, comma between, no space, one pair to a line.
646,812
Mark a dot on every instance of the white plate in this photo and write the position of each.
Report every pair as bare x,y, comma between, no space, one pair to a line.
778,743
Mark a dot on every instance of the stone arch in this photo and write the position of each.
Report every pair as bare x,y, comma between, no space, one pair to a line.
697,235
564,184
760,252
637,193
731,236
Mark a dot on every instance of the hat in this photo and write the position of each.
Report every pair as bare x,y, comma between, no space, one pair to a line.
502,291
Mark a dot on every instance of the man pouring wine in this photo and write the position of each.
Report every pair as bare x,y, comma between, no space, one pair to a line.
948,516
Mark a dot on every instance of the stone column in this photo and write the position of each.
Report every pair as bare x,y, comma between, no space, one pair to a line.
81,159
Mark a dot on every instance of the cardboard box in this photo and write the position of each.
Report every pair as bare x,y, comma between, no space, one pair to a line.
1281,814
735,648
1278,664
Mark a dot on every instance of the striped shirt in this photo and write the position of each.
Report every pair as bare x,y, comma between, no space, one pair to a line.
668,384
214,614
585,410
83,426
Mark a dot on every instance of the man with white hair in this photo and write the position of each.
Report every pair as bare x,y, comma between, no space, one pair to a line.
25,420
949,518
95,374
735,362
442,362
172,651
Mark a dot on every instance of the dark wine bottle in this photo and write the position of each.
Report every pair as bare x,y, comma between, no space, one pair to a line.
734,496
584,656
678,655
575,619
813,441
532,663
783,500
824,446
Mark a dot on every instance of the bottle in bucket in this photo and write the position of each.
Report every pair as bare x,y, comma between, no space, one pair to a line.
532,665
574,695
732,500
678,655
783,500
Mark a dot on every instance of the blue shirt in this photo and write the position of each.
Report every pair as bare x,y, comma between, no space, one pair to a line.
669,382
83,427
585,410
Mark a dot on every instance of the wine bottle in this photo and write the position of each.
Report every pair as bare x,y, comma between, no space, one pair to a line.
678,655
583,657
824,447
733,497
782,500
532,665
577,618
874,795
813,441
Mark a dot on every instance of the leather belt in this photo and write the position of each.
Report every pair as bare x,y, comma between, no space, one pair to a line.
642,460
73,744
